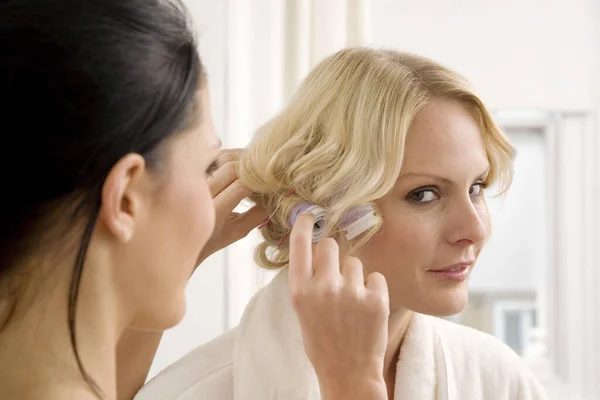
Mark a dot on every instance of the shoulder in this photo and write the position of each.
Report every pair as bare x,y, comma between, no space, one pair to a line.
205,372
480,357
483,346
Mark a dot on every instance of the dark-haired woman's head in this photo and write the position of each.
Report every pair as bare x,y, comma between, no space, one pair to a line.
107,134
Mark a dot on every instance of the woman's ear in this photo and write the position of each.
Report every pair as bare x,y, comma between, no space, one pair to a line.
122,195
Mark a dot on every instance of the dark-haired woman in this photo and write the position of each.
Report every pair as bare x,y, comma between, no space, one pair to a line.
110,204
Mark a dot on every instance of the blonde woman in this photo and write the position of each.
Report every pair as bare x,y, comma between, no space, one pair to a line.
407,137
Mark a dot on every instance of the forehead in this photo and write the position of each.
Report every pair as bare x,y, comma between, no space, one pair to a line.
444,135
198,141
200,119
206,120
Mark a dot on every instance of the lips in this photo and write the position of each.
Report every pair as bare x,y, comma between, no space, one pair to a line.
455,267
456,272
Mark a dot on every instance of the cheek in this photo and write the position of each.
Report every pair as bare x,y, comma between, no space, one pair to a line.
166,252
189,220
404,245
486,220
484,215
201,216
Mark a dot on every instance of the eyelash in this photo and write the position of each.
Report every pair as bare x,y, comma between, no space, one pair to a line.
482,186
212,168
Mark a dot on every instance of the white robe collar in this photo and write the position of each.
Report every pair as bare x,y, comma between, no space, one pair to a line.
269,361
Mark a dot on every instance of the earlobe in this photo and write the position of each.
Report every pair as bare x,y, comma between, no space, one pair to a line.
120,196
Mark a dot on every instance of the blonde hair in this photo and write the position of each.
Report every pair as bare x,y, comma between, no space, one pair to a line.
340,141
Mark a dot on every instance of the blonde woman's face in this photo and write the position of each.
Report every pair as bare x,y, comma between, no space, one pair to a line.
435,218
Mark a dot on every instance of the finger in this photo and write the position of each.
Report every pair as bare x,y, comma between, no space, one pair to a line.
237,150
224,176
300,269
352,271
377,283
327,265
227,155
244,223
229,198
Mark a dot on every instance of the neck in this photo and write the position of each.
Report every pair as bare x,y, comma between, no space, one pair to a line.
398,326
36,353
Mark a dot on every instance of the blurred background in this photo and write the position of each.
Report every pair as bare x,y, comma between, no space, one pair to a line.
536,63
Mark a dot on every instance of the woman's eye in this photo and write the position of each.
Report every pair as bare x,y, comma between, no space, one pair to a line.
423,196
477,189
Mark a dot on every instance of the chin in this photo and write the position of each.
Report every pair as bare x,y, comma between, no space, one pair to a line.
443,303
451,303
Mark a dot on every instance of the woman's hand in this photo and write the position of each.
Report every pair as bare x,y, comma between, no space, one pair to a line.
343,317
228,192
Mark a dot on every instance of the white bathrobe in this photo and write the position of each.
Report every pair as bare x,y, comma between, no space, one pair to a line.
263,359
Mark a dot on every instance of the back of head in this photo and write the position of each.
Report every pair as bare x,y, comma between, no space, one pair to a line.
83,83
340,141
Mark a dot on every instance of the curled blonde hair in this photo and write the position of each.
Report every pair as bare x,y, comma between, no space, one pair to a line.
340,141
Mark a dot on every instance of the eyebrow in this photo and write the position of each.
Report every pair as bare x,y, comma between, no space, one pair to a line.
438,178
213,166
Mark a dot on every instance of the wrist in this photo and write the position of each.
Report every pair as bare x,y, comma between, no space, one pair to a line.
357,388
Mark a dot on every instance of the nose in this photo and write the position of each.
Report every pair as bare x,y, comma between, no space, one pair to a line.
469,222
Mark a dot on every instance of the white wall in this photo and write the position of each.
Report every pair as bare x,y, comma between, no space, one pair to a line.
573,305
532,54
255,53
